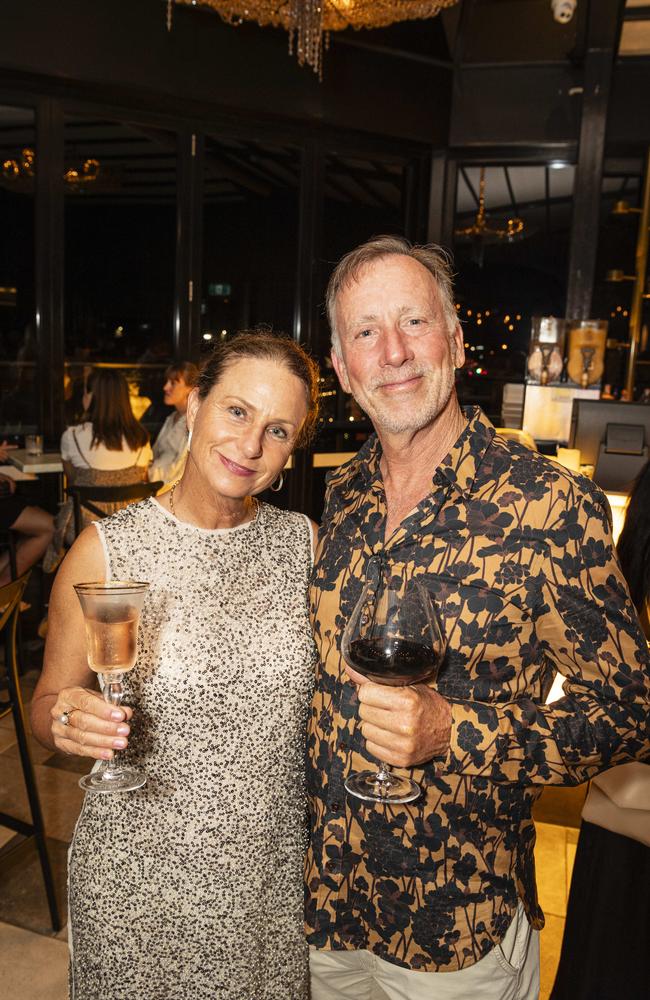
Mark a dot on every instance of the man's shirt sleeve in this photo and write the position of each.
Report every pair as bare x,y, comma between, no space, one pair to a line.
587,628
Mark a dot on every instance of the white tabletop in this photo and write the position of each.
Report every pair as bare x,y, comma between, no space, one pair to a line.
47,462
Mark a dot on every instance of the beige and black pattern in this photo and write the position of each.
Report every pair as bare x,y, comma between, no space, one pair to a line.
518,555
192,886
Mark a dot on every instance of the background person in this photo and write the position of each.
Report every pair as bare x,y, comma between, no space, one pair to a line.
109,448
192,886
607,929
34,526
109,439
170,447
437,898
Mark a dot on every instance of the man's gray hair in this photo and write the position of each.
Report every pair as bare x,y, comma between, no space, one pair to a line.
436,260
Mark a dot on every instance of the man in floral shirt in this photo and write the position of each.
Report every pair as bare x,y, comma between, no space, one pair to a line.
436,898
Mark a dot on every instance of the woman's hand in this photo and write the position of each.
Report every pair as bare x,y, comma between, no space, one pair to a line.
94,728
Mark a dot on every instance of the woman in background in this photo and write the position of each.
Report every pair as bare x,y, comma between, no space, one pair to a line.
110,439
33,525
170,448
109,448
605,952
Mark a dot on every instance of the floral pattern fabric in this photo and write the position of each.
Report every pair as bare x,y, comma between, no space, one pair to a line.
518,555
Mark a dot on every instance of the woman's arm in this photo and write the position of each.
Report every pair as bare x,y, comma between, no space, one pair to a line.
66,683
68,469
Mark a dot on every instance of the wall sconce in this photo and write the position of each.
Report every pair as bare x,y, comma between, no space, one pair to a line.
617,275
624,208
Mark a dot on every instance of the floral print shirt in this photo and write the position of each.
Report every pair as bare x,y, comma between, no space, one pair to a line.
518,554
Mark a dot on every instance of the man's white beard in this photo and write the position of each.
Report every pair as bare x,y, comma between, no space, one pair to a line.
398,420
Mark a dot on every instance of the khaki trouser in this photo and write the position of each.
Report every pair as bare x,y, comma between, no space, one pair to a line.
509,972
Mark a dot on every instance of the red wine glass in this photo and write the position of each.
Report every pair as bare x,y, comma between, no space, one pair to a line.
393,637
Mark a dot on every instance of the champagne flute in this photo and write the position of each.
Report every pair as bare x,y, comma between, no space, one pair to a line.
392,637
112,613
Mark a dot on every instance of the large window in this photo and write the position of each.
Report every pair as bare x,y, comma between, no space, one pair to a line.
250,237
511,259
18,347
120,244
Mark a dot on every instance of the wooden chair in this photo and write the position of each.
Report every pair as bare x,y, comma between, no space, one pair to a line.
10,597
8,541
88,497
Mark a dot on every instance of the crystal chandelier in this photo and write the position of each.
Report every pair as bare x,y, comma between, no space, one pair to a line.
309,21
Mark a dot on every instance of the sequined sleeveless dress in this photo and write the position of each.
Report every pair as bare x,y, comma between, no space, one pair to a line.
191,888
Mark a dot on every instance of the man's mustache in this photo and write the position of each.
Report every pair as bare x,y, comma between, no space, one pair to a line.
405,374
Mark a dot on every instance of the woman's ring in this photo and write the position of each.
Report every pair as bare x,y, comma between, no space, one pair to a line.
64,718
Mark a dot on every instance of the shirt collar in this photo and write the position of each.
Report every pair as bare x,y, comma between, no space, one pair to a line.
457,469
461,465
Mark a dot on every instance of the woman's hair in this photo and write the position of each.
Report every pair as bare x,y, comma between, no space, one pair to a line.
436,260
110,412
270,347
186,370
634,542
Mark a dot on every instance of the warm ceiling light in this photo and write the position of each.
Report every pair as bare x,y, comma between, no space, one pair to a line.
22,171
481,230
307,20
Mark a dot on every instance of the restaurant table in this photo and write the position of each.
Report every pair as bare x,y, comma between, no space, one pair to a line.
48,463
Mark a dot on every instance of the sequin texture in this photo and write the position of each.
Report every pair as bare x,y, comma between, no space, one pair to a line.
191,887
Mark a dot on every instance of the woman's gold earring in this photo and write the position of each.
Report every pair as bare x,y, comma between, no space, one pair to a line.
278,484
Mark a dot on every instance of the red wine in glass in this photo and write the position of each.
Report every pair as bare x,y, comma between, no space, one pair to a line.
393,637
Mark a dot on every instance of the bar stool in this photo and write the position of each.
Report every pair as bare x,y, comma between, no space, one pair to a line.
10,597
8,541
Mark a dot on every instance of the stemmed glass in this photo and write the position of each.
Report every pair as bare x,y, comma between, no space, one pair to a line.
112,613
392,637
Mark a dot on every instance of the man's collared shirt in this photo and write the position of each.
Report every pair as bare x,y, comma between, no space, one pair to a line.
518,556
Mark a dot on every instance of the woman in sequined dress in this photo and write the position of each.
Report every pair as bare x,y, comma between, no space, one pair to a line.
191,887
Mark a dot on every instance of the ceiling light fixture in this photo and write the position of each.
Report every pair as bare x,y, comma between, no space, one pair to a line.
481,231
21,171
310,21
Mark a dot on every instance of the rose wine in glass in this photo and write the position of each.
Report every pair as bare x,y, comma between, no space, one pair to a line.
393,637
112,613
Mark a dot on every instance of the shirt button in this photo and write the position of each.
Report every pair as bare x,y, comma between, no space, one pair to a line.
343,745
331,866
336,807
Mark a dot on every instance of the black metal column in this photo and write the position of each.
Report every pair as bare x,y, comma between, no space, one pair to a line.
603,27
49,267
415,200
189,247
442,200
308,294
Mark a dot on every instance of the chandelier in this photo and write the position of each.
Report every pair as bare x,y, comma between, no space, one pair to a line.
309,21
481,229
20,172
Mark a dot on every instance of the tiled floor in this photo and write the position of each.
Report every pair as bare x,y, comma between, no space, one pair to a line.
33,961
